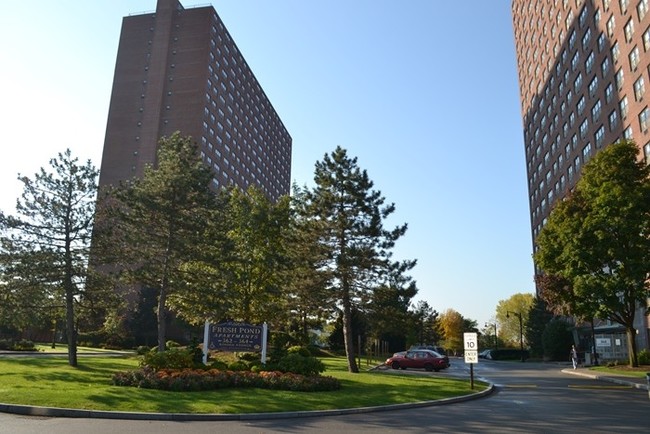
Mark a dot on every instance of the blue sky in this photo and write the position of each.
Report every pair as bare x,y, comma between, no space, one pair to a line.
423,92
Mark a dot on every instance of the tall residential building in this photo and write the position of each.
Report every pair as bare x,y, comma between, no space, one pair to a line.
178,69
583,67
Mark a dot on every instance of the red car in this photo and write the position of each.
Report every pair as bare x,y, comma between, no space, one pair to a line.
422,359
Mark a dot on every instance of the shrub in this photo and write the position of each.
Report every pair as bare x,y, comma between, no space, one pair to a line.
303,351
172,344
174,358
298,364
239,365
22,345
218,364
556,340
644,357
197,379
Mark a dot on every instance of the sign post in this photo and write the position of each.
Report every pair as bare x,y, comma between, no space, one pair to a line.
471,354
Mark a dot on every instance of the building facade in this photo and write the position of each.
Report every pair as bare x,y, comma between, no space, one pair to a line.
584,82
178,69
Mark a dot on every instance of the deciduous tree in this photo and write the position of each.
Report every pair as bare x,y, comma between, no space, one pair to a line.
598,240
156,225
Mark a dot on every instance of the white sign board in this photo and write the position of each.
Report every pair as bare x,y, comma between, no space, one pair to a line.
471,347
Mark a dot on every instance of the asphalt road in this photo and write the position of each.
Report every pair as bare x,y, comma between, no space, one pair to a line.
529,398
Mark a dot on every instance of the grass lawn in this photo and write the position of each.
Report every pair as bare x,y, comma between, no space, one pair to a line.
50,382
624,370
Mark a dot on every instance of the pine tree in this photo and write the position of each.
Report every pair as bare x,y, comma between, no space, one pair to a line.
349,215
46,246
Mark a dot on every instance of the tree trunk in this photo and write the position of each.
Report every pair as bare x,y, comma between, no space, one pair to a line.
348,340
631,346
70,328
162,319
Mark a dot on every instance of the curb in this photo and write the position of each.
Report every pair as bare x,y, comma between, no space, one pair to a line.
99,414
606,378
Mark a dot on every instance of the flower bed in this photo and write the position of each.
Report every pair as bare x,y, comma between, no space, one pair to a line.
212,379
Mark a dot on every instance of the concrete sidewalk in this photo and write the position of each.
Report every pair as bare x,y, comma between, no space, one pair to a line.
638,383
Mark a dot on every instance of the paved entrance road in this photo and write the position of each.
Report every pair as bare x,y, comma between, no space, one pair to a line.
530,398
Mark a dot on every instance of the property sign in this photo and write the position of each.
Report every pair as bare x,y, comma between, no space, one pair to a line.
471,347
603,342
233,336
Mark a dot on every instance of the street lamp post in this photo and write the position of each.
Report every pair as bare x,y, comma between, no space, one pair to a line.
521,332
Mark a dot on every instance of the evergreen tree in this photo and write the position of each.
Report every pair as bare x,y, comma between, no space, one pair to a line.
45,246
349,216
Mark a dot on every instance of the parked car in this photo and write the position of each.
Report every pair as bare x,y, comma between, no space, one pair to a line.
485,354
418,359
437,349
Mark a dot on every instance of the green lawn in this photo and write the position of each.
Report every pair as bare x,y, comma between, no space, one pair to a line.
623,370
49,381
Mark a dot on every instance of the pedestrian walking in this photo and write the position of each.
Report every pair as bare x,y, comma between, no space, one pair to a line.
574,356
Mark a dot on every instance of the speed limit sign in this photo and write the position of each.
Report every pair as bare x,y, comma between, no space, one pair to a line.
471,348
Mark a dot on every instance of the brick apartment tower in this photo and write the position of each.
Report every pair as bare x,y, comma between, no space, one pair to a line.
583,72
179,70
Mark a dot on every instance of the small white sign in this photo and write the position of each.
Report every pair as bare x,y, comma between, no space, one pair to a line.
470,341
471,356
471,347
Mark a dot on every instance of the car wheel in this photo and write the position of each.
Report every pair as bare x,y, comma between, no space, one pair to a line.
428,368
437,369
395,365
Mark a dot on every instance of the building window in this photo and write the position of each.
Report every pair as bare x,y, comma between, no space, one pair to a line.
639,88
581,106
646,152
583,16
604,66
619,79
609,93
642,9
593,86
622,105
611,26
586,152
616,52
601,42
599,137
634,58
575,60
577,84
584,126
595,111
643,119
629,30
589,63
628,133
613,120
586,38
646,39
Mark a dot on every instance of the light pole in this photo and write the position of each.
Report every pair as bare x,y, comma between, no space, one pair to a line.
496,339
521,332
